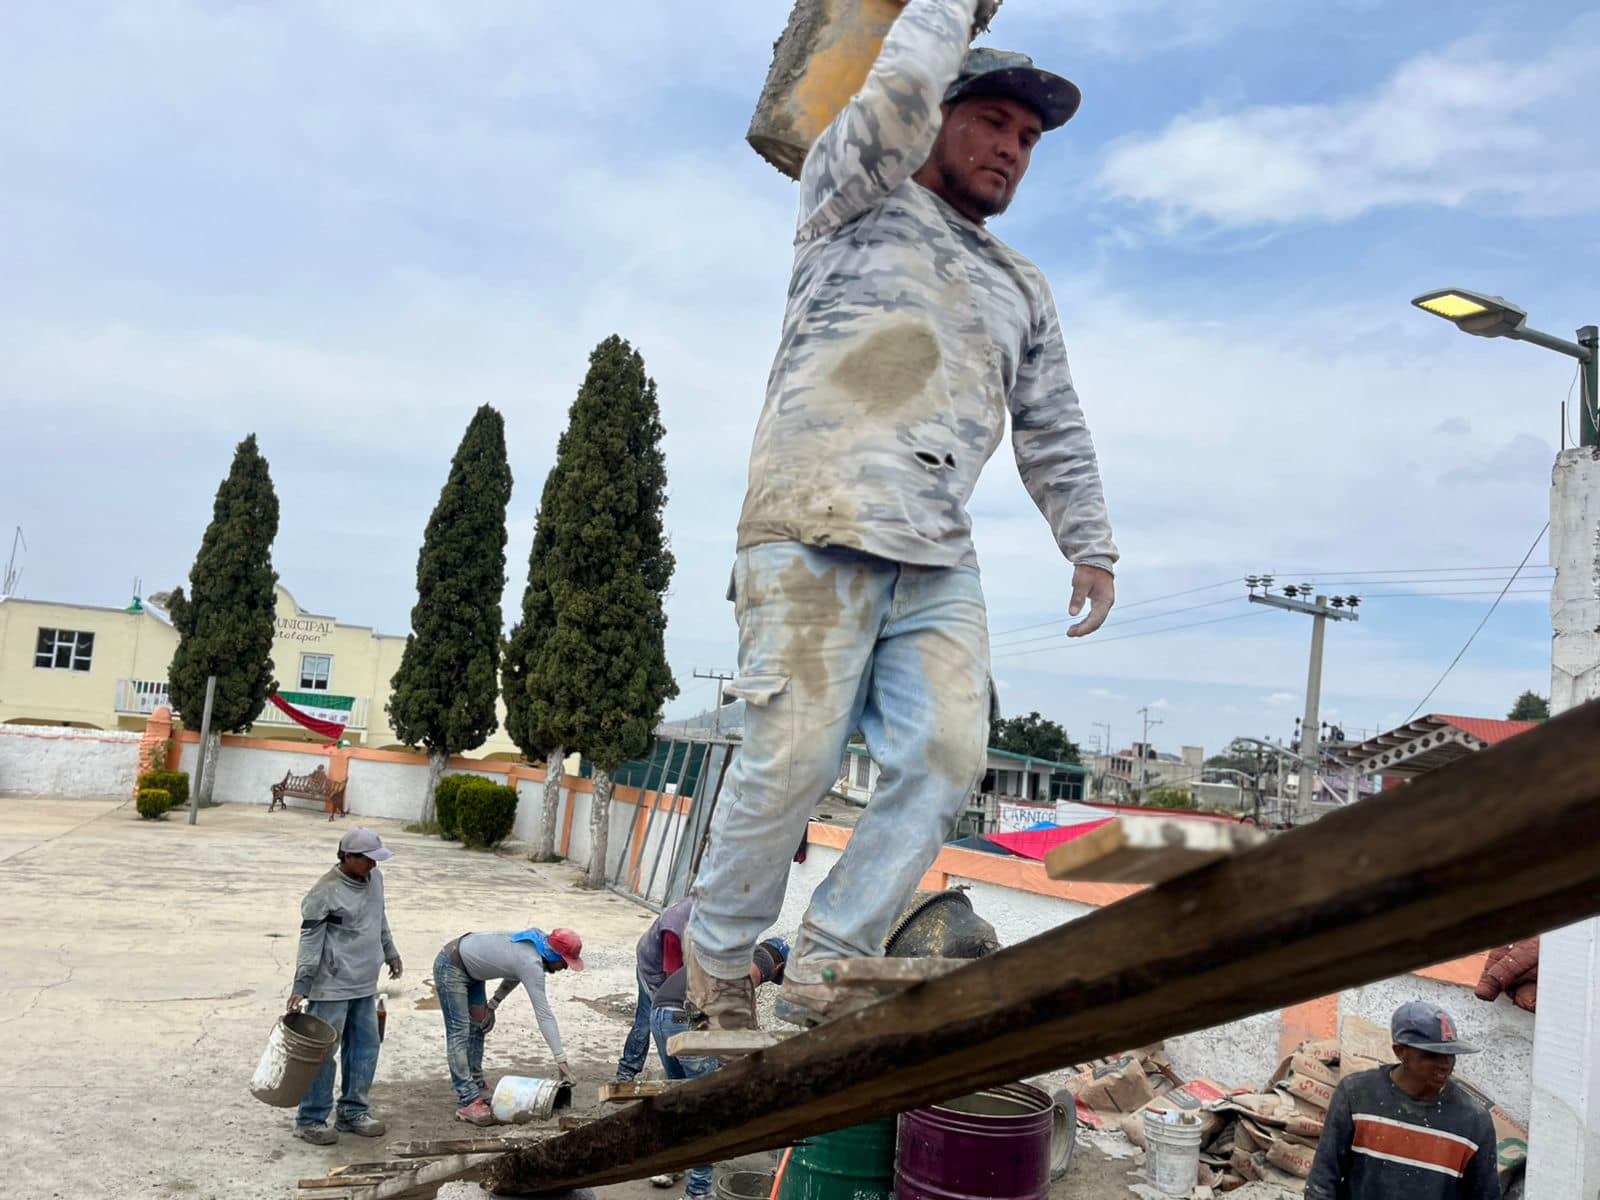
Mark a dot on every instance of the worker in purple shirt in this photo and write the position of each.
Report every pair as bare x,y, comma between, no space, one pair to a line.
658,955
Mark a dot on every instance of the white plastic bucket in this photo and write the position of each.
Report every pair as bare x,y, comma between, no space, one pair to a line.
299,1045
519,1099
1172,1151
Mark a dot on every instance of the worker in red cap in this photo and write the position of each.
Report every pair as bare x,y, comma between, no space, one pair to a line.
460,971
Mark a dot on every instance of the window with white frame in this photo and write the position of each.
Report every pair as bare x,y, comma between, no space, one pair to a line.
315,671
64,649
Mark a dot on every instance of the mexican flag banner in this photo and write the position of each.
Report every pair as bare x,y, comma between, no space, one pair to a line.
319,712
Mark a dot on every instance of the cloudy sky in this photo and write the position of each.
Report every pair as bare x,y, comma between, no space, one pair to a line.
343,226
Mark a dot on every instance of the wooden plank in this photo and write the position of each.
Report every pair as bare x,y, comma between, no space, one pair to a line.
339,1181
481,1145
1133,849
888,974
637,1089
1489,849
723,1043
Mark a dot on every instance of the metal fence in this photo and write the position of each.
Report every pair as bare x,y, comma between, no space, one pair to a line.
676,770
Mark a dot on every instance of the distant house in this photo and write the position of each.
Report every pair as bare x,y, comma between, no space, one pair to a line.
1428,743
1010,781
1126,773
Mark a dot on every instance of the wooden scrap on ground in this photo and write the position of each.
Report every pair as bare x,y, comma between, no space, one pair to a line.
723,1043
478,1145
888,974
1134,849
634,1089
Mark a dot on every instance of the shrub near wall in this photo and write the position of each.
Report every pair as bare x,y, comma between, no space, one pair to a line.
174,783
485,811
153,803
444,804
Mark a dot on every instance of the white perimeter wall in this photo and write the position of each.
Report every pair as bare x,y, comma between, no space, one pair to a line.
72,764
246,776
1244,1053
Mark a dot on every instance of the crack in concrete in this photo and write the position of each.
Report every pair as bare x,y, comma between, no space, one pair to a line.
39,994
64,833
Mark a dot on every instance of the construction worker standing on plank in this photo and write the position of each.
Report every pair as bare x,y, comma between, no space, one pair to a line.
910,332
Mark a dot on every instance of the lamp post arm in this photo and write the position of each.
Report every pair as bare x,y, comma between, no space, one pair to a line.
1550,342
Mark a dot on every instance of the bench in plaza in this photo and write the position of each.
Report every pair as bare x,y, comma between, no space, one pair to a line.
314,785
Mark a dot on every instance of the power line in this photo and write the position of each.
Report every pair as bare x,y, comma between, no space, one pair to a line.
1124,607
1116,624
1126,636
1462,652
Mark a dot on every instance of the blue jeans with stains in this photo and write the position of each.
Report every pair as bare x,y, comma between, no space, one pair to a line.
356,1057
458,993
831,641
664,1023
637,1048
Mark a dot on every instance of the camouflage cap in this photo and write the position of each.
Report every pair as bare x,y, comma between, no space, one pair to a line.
989,72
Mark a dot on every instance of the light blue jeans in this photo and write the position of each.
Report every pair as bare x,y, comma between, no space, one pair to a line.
463,1040
356,1022
665,1023
831,641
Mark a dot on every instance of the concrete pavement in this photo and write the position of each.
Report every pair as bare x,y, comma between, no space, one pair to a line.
142,965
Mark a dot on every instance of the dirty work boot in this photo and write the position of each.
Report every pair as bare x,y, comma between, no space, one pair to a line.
476,1113
810,1004
713,1003
318,1135
365,1125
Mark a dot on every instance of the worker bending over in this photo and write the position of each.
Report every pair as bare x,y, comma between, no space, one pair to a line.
658,954
911,331
668,1019
459,974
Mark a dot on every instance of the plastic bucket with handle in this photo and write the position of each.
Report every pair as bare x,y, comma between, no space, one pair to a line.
299,1045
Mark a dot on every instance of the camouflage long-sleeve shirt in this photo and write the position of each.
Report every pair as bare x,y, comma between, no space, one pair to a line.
910,331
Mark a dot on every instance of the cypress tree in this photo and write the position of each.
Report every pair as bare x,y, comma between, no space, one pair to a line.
227,620
443,695
597,680
524,647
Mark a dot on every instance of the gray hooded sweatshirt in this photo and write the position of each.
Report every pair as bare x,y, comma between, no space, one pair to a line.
344,938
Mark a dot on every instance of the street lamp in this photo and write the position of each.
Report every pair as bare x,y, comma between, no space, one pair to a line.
1494,316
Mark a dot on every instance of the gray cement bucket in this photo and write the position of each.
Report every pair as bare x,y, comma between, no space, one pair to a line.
299,1045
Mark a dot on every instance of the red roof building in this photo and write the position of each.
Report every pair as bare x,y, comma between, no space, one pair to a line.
1428,743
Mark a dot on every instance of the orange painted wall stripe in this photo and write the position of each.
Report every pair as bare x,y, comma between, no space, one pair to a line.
1313,1021
566,826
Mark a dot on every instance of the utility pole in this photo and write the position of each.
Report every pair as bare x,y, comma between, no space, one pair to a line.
1144,752
1342,608
200,759
721,677
1100,783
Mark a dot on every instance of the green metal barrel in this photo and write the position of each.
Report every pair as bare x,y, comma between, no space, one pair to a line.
850,1164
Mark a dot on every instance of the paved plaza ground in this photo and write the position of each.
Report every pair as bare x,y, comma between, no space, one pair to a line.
142,965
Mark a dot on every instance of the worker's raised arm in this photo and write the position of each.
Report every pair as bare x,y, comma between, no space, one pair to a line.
1055,454
887,130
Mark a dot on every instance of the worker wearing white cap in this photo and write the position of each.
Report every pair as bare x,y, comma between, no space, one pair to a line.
344,942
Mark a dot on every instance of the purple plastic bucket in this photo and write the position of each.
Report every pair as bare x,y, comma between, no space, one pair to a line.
992,1145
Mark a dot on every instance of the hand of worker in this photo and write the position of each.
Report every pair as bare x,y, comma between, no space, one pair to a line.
482,1015
563,1071
295,1002
1099,589
396,967
985,14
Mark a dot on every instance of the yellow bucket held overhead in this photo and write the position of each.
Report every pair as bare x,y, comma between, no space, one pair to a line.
821,60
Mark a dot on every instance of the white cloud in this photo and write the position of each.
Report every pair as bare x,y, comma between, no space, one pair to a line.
1163,703
1456,128
1282,700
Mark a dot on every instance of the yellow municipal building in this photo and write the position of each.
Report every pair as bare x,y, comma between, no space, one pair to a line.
106,668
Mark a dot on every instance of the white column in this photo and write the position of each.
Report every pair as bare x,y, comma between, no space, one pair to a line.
1564,1131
